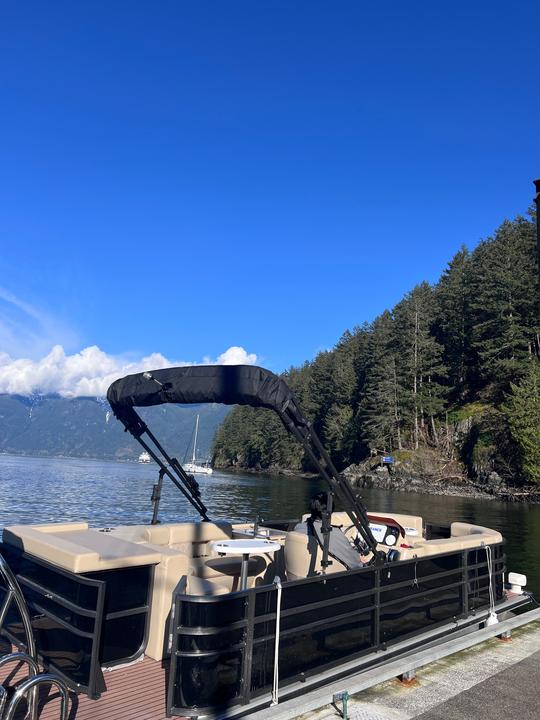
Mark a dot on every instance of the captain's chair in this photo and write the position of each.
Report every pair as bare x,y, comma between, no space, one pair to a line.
304,546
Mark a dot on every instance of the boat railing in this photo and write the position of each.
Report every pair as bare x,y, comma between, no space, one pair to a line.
324,621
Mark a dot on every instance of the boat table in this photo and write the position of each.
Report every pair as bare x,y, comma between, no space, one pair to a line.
245,548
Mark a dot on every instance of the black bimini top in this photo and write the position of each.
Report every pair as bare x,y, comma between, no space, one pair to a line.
227,384
230,385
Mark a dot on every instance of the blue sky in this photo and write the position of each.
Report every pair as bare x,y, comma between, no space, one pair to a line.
180,177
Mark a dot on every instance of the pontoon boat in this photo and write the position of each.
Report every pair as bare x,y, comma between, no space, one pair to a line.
213,619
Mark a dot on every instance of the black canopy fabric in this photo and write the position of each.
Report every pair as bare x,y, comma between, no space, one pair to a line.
228,384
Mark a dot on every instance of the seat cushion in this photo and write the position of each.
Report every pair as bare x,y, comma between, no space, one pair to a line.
200,586
79,550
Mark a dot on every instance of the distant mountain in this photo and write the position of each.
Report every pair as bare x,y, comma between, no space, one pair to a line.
85,427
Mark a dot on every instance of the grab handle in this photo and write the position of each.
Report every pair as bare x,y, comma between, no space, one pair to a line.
34,682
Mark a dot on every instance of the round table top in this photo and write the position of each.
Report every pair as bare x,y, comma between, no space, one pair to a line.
245,547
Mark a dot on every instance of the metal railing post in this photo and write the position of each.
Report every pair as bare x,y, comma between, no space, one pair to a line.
465,583
3,700
15,593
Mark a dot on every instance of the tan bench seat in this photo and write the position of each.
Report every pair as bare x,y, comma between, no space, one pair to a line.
463,536
192,538
412,523
77,548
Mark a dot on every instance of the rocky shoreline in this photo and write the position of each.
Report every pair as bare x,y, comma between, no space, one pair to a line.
489,488
404,479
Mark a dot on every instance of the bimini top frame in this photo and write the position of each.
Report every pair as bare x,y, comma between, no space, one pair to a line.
231,385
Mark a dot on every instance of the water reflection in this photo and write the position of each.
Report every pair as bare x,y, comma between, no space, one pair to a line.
109,493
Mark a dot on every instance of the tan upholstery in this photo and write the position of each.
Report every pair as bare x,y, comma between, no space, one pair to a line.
200,586
462,537
303,557
462,530
227,570
414,522
183,550
172,567
59,527
199,532
194,538
80,550
171,534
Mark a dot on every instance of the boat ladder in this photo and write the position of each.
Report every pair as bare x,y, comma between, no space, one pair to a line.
27,688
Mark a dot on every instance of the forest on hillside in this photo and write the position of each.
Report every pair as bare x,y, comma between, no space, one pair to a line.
453,367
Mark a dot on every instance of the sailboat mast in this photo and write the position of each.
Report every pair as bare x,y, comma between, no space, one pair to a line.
195,439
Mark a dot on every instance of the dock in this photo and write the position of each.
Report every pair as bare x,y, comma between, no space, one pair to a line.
480,675
467,678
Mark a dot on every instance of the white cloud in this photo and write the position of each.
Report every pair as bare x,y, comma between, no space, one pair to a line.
90,371
26,331
237,356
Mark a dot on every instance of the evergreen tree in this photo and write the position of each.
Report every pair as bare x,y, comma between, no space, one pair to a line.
522,410
419,363
504,303
380,409
385,386
452,322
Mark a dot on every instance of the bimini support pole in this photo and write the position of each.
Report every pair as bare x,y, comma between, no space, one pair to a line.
156,497
187,484
339,486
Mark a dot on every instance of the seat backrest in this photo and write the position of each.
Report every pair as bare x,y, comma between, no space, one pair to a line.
462,530
194,538
174,534
303,556
412,523
199,532
463,536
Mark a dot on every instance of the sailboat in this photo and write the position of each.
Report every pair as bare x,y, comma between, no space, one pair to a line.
193,466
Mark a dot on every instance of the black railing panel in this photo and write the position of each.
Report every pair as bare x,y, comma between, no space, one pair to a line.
66,612
324,622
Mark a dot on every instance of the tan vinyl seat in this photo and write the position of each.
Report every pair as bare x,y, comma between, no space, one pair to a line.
201,586
185,551
155,534
413,523
303,557
189,537
466,530
75,547
172,566
463,536
194,538
226,570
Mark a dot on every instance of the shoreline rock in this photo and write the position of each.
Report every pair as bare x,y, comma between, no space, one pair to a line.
398,480
405,479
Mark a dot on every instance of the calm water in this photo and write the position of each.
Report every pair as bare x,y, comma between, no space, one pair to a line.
109,493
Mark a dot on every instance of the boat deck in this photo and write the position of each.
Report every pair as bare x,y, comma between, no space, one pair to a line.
135,692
